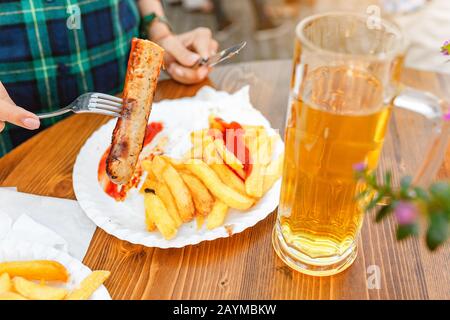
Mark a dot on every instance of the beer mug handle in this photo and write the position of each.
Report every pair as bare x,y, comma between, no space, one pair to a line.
437,111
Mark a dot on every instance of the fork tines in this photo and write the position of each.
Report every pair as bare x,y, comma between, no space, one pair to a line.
105,104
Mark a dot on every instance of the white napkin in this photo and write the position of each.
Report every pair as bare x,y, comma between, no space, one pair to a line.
59,223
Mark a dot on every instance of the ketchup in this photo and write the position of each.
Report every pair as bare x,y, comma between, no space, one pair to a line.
153,128
233,137
119,192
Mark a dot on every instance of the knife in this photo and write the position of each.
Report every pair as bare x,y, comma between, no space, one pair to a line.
221,56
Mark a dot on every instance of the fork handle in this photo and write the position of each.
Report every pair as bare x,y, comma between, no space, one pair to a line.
59,112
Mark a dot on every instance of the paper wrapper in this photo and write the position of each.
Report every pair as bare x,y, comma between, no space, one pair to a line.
54,222
18,251
126,220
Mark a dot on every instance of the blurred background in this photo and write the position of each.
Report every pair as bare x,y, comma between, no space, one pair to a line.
268,25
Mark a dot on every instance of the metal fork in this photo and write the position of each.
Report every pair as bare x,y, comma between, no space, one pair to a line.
91,102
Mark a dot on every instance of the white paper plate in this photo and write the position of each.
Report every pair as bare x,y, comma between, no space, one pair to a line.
180,117
19,251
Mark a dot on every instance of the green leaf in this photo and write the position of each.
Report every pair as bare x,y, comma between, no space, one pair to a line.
405,184
388,179
437,230
371,180
440,193
440,189
404,231
359,175
362,194
421,194
383,212
375,200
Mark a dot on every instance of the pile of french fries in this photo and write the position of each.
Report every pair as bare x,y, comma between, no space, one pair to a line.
210,179
38,280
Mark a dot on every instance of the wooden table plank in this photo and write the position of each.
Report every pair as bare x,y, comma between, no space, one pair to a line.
243,266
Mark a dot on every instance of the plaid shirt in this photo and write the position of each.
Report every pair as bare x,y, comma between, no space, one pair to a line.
50,54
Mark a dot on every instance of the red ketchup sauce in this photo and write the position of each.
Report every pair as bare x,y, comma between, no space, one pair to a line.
233,137
119,192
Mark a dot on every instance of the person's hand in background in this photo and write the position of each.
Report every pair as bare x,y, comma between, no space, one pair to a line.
9,112
184,50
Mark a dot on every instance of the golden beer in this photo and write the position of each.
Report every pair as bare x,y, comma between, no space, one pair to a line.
345,80
340,122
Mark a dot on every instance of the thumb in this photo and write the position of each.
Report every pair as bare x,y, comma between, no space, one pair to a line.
176,48
9,112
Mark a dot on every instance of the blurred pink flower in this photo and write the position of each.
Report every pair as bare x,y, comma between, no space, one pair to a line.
447,116
445,49
406,213
360,166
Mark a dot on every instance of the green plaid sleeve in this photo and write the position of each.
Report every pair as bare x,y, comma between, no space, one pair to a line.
51,51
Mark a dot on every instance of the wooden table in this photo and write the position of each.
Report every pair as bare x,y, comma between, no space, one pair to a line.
245,265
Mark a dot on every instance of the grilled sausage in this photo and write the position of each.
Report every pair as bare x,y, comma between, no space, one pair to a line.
144,65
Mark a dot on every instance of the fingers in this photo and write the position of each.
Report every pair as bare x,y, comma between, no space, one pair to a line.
201,41
179,56
187,75
175,48
9,112
213,47
2,126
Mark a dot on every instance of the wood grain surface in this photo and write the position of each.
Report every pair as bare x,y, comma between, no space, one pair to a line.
245,265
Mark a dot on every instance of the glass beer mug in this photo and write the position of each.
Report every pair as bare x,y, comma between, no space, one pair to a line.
344,85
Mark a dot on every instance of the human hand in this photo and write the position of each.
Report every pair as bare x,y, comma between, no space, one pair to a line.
184,50
9,112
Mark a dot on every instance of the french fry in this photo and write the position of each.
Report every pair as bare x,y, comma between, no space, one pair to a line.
207,150
194,153
224,172
203,143
35,270
165,172
35,291
217,216
177,164
264,148
180,192
273,173
273,142
228,177
213,123
148,182
252,127
200,221
255,180
11,296
226,194
209,179
89,285
149,221
154,207
146,165
5,283
158,165
198,136
250,135
229,158
148,186
203,200
162,190
260,154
